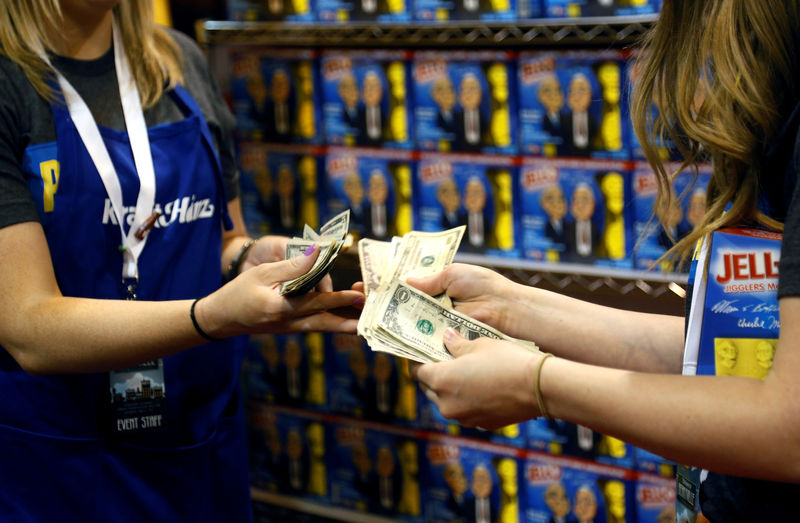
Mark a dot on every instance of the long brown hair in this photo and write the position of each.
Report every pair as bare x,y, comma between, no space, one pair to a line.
154,56
720,73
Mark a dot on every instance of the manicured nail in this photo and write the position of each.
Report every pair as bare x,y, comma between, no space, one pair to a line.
449,334
310,250
358,302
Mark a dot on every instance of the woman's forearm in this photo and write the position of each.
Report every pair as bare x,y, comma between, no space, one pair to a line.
599,335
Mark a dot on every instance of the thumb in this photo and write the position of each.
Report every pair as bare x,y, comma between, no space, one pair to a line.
432,285
455,343
294,267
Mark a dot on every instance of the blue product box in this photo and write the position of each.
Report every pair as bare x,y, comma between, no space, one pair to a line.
376,185
655,499
579,8
496,10
585,443
281,190
286,369
465,101
687,210
564,489
365,98
574,103
368,384
288,452
343,11
741,318
576,211
478,191
374,471
275,95
547,435
257,187
653,464
466,480
271,10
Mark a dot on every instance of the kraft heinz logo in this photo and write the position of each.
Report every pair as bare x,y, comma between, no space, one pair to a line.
542,474
656,496
428,70
434,172
339,166
535,70
336,66
538,177
439,454
645,184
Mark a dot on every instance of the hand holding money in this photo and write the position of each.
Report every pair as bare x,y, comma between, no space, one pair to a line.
401,320
331,238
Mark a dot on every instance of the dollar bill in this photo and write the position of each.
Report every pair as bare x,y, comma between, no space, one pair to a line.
373,256
416,322
416,254
331,239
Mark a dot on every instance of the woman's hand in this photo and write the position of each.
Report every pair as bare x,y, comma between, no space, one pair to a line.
480,293
270,249
489,384
252,303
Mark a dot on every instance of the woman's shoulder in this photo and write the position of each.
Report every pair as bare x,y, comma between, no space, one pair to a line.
193,56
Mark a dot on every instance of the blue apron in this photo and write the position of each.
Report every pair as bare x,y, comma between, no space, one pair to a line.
61,461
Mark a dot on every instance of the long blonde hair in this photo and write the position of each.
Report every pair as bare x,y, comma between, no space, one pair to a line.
721,73
154,56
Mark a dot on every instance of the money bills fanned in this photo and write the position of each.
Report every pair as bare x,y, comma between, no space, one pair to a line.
332,237
401,320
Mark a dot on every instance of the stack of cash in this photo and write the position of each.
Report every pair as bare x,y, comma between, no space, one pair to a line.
399,319
331,238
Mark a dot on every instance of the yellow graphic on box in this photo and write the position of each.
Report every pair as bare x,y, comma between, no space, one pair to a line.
50,172
749,357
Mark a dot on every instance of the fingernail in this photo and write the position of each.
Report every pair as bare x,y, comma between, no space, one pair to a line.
449,334
358,302
310,250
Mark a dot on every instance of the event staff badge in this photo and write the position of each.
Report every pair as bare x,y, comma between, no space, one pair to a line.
138,399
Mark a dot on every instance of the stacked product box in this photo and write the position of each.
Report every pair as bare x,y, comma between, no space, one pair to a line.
365,98
272,10
688,205
655,499
376,185
574,103
579,8
465,101
568,489
274,94
288,452
374,471
286,369
468,480
366,384
343,11
477,191
494,10
576,211
281,190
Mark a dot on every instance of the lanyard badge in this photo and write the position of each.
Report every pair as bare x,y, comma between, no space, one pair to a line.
134,239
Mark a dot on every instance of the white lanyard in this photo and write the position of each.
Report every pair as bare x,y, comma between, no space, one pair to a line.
691,349
134,240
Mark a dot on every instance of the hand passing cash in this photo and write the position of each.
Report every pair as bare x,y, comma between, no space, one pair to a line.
401,320
331,239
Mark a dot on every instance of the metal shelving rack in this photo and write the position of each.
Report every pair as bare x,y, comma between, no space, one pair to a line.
540,32
640,290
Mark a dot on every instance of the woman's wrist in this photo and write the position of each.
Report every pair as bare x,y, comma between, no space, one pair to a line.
234,267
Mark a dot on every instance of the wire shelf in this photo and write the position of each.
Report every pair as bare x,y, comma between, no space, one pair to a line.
595,31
